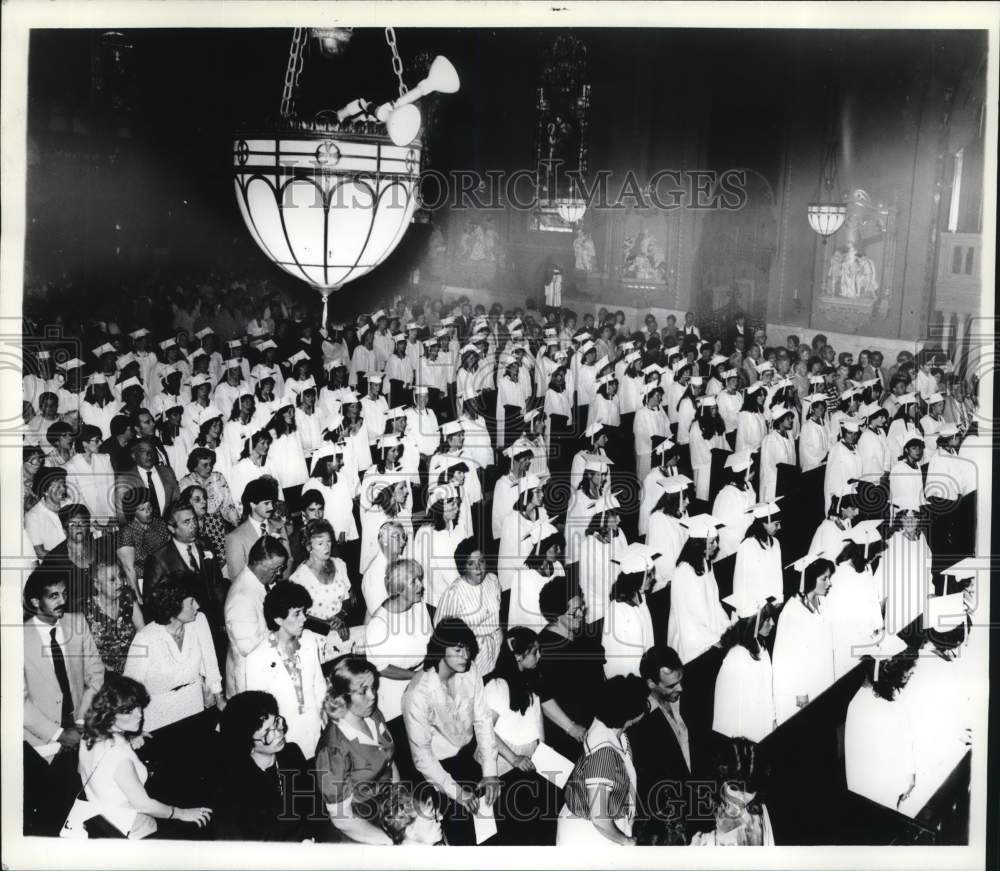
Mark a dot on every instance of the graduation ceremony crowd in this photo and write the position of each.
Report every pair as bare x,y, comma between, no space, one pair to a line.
440,568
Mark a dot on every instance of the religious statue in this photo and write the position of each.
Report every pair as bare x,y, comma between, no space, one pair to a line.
586,253
643,258
851,275
553,289
490,241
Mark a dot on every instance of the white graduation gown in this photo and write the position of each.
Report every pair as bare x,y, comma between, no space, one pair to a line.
730,507
744,695
853,610
627,634
517,537
906,486
750,431
906,574
775,448
757,575
598,571
701,460
697,619
828,539
843,465
803,657
814,445
878,748
666,536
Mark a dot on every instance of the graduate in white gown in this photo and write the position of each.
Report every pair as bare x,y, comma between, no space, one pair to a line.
906,572
814,440
540,566
830,534
707,434
338,490
878,733
664,470
666,532
757,575
802,661
906,481
521,530
844,464
650,420
628,625
603,548
733,503
776,449
587,500
750,424
854,606
697,618
744,687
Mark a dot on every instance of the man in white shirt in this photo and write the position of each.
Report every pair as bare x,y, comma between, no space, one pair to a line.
42,521
244,610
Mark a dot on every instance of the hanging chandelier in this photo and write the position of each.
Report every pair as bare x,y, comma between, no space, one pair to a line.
328,199
826,215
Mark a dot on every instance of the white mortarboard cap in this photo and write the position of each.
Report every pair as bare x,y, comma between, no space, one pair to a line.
718,360
637,559
106,348
586,347
139,333
906,399
412,325
204,331
708,401
442,334
470,392
168,343
198,380
702,526
602,363
362,330
652,369
430,343
680,365
631,356
442,493
765,367
753,388
132,382
886,647
379,314
744,604
469,349
817,379
730,373
663,446
235,343
596,427
421,389
514,324
780,411
334,421
69,365
393,413
765,509
847,394
298,356
851,424
934,397
864,532
531,415
234,363
946,612
964,570
208,413
697,380
389,441
98,378
812,399
43,355
308,384
266,345
399,337
674,483
195,354
651,387
740,461
947,431
448,321
596,463
529,482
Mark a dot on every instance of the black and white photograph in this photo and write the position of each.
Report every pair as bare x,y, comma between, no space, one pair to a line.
512,432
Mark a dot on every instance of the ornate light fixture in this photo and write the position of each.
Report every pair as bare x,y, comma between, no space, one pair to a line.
571,210
328,199
826,216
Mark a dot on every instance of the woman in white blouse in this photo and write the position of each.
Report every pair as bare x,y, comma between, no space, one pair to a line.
516,709
174,656
89,476
287,664
324,577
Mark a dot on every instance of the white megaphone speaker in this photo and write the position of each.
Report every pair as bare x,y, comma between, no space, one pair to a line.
401,118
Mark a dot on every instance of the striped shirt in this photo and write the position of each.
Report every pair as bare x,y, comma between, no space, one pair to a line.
479,606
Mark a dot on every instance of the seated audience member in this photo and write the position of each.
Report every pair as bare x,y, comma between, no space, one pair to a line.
258,772
474,597
313,506
111,611
62,665
73,558
528,803
392,542
212,529
244,609
32,461
42,521
159,480
445,710
113,775
571,667
89,476
288,665
174,656
600,793
410,815
741,819
142,534
354,759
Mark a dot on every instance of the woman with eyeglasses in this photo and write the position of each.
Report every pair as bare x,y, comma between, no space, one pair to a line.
354,761
254,789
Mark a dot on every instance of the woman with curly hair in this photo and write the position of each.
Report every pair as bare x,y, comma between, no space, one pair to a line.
174,656
354,759
410,815
142,534
202,472
113,775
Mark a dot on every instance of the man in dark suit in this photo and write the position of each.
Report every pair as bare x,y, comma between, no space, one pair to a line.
183,553
159,480
666,757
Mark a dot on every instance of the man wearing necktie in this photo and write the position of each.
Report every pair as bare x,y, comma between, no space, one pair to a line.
62,665
258,498
184,553
160,481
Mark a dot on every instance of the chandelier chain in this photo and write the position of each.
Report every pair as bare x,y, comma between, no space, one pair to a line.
397,64
296,57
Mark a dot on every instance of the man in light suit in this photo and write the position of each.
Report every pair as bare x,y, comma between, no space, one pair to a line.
244,611
258,499
159,480
62,665
183,553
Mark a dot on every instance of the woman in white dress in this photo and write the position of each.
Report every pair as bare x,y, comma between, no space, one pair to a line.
802,661
757,575
707,434
744,687
242,422
697,618
814,440
878,734
477,443
324,577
